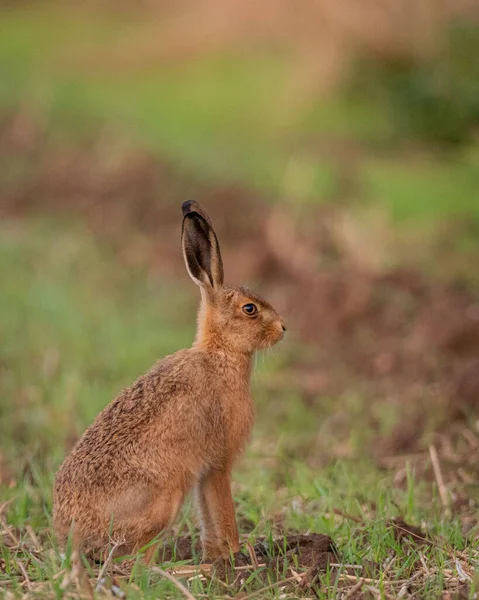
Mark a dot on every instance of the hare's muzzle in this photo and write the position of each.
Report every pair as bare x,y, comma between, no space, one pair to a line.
281,327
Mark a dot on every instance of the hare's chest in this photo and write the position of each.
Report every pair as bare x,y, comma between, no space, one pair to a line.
238,422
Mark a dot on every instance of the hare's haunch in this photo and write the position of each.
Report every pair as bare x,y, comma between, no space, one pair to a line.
178,427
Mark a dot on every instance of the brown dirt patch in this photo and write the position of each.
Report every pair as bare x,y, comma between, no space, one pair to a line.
179,549
404,532
307,551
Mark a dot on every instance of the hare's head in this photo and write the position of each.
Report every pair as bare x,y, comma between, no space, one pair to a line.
231,318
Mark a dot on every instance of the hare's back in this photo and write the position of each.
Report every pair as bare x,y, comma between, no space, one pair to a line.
144,423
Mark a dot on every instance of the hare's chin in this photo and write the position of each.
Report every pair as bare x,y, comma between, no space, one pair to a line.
271,340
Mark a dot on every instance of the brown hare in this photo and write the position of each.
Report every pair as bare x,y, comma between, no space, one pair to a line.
179,427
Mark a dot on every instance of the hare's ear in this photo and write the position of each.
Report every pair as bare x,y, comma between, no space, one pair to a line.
201,250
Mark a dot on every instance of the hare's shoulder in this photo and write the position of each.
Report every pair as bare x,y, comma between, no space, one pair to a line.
172,378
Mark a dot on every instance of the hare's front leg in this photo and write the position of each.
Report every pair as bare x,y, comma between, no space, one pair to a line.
219,533
207,526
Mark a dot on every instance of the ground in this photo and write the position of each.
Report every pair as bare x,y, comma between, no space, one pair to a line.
361,477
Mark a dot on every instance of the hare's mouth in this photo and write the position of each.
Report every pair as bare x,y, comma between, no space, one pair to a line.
273,336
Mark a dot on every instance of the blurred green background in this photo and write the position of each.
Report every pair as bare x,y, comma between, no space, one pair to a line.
338,155
337,151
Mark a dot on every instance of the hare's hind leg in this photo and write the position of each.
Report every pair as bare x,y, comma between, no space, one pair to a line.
219,530
159,516
77,573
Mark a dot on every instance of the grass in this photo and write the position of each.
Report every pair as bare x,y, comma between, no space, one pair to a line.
70,346
78,328
365,539
225,115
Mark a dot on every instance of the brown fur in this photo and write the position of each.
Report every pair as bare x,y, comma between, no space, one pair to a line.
179,427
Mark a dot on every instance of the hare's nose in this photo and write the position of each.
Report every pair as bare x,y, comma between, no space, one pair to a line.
283,326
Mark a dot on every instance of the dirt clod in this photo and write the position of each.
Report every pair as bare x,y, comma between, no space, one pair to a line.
179,549
308,551
404,532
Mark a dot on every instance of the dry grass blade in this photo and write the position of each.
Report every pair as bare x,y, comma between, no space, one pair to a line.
106,563
356,587
58,575
296,575
422,558
389,565
438,475
26,579
174,581
384,582
346,577
252,555
341,513
461,572
5,505
377,593
9,531
33,537
345,566
187,571
259,593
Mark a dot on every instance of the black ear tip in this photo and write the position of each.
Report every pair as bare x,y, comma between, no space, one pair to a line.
189,206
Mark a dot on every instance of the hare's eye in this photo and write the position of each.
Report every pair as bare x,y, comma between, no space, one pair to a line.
250,309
